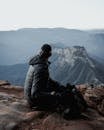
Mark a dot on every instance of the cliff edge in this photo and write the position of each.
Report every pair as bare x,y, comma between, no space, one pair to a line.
15,114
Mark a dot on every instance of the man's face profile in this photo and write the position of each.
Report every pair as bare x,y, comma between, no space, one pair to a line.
50,53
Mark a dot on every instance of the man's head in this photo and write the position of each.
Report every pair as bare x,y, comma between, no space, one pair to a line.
46,50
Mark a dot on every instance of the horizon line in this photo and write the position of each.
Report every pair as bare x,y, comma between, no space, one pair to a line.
86,29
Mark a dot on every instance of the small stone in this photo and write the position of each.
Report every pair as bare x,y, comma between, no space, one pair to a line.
12,126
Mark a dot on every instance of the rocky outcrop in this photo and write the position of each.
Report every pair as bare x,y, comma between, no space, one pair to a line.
14,111
4,83
94,97
86,122
16,115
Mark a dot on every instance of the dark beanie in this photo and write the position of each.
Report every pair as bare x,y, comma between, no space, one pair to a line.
46,48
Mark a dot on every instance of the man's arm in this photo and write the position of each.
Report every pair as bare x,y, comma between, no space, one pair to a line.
28,83
55,86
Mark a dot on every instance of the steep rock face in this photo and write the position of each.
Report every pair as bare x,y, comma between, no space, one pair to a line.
15,114
75,66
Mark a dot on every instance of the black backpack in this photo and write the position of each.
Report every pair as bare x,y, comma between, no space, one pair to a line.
78,106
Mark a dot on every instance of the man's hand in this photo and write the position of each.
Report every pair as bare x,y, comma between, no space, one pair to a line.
53,93
69,87
56,94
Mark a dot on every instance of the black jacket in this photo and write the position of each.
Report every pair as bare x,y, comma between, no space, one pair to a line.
37,81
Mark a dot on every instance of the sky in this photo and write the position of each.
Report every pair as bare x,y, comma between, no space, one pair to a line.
77,14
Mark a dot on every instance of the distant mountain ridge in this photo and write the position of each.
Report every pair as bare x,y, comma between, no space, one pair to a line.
17,46
14,73
70,64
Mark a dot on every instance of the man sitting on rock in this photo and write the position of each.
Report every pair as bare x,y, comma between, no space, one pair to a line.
40,90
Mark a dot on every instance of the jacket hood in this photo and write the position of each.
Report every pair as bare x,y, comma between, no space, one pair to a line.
37,60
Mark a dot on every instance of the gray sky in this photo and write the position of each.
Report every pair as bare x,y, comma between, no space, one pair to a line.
79,14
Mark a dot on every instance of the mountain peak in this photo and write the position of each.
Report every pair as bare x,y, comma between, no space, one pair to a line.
81,48
79,51
74,51
73,64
